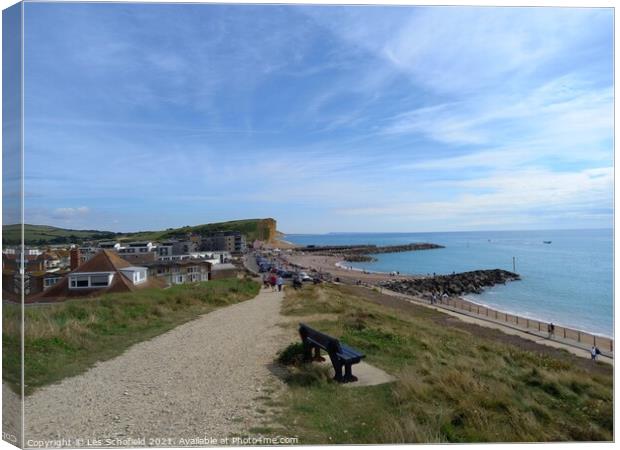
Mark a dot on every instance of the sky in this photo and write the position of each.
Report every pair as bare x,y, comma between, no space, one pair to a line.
326,118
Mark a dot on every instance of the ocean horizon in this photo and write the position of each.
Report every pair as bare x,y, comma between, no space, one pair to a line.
568,281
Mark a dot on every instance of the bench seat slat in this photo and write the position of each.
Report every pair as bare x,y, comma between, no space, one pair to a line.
347,349
347,354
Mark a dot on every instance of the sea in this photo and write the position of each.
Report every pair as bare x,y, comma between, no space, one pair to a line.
568,281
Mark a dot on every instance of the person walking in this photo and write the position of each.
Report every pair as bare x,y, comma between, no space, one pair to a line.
551,329
279,283
594,352
265,281
272,282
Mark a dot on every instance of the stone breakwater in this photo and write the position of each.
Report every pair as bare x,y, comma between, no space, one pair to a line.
361,253
452,285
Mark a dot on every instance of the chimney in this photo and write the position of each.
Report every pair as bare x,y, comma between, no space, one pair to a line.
75,258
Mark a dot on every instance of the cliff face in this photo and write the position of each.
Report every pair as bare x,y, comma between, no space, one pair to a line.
267,230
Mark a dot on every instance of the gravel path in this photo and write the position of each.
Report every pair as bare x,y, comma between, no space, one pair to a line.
198,380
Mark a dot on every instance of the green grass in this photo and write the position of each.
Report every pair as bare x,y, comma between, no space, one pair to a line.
67,338
453,385
43,234
251,228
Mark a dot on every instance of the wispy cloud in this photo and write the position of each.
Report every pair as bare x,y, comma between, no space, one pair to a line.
531,194
70,213
329,118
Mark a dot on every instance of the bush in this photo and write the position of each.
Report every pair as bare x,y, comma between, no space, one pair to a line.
293,355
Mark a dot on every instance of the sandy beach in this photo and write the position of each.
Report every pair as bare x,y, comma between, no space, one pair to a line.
336,267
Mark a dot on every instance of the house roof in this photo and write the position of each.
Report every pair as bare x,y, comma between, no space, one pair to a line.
60,291
104,261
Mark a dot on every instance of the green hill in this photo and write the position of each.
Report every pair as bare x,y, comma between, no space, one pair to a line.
263,229
45,234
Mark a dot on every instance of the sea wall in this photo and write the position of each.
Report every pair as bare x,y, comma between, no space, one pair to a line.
452,285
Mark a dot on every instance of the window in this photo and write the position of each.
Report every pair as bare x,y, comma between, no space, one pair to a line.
99,280
50,282
79,282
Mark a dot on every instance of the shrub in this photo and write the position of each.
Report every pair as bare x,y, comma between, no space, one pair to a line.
293,355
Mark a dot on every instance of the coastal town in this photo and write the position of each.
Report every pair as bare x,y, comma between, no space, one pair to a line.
57,272
218,291
232,224
92,268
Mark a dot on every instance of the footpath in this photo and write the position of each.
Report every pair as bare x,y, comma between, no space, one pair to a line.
200,380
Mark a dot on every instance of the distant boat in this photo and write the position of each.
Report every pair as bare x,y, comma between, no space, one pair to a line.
546,242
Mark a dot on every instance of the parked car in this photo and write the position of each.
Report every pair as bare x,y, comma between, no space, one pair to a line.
303,276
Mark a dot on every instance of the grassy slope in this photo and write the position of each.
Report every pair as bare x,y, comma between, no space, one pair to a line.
36,234
41,234
65,339
453,385
250,227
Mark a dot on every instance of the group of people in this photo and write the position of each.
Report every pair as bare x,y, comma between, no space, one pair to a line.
272,281
594,351
436,296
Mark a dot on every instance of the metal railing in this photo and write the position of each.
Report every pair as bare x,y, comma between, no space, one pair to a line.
581,337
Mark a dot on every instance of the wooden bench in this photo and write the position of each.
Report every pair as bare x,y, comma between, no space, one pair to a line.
340,354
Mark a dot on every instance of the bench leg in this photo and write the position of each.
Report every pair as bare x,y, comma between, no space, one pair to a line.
348,374
338,377
317,354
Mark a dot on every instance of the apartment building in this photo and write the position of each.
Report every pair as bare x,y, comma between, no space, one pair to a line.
180,271
229,241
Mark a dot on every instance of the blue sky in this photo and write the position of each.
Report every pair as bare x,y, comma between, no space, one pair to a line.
150,116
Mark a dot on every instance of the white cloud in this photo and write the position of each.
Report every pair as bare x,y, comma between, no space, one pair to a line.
562,119
70,213
518,196
465,49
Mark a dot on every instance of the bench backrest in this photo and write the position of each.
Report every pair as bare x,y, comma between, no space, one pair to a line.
329,343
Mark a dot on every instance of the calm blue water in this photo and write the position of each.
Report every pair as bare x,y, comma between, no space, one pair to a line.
569,281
